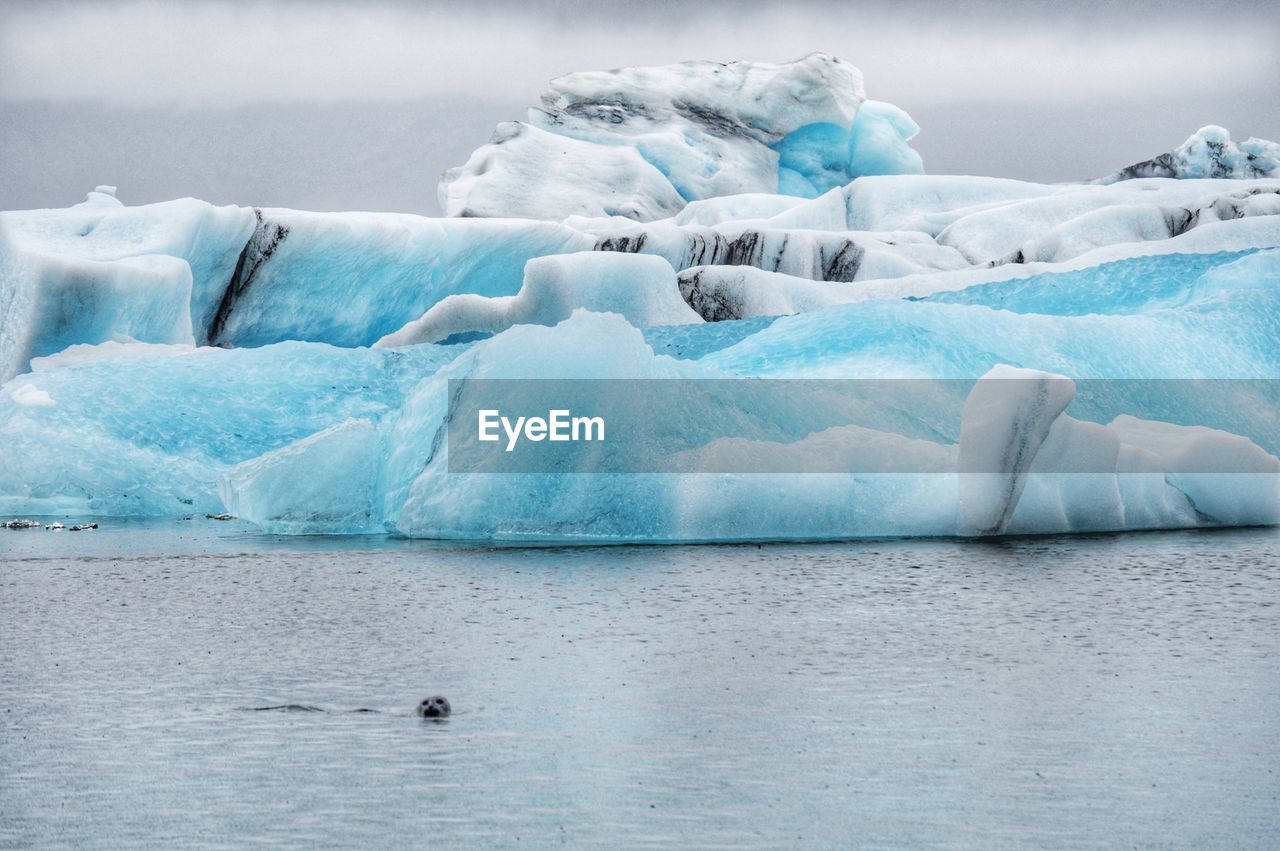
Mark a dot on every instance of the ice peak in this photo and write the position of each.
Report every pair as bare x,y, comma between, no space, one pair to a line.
642,142
102,196
1209,152
762,101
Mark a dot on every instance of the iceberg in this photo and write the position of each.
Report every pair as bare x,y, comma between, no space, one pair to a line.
1010,460
641,142
714,243
1209,152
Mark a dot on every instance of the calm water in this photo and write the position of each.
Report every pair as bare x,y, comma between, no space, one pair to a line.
1054,692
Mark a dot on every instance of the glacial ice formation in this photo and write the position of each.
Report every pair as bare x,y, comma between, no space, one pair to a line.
351,278
314,485
640,142
129,432
817,158
1209,152
640,288
838,255
1019,464
261,276
717,293
1006,419
532,173
101,271
1062,358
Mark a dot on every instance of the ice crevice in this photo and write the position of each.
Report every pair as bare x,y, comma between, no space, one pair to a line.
262,243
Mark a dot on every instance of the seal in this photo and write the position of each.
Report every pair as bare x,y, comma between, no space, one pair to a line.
435,706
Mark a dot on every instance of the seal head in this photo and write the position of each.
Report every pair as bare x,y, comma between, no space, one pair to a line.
435,706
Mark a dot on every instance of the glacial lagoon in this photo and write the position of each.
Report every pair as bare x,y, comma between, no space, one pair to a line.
1054,692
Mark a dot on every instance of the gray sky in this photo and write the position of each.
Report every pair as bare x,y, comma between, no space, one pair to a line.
330,106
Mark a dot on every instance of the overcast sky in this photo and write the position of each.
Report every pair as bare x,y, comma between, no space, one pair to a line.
333,106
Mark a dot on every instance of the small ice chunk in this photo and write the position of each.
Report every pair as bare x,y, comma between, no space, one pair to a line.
32,396
101,196
112,350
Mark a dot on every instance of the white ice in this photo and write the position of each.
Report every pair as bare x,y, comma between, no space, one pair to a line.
1209,152
1006,418
640,287
640,142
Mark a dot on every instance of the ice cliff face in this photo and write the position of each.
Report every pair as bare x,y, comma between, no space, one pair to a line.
642,142
296,368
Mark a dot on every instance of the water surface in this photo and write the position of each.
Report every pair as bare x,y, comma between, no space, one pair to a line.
1064,692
